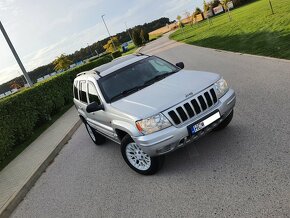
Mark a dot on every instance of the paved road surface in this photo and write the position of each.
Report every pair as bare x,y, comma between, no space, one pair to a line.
243,171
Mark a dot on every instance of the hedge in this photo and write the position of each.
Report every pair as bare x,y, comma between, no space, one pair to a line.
23,112
116,54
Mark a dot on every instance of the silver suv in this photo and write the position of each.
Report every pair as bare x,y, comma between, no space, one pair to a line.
150,107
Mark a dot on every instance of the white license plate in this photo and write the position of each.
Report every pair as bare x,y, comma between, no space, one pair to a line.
194,128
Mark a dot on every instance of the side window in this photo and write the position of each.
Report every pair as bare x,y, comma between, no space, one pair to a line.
82,92
92,93
75,90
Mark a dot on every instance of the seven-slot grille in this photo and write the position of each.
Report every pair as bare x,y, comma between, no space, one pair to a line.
193,107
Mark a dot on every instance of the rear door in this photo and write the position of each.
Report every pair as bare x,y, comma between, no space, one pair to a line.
83,100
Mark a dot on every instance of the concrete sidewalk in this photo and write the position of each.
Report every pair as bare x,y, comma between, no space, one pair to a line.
19,176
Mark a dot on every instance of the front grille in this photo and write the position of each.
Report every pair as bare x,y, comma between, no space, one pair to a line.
193,107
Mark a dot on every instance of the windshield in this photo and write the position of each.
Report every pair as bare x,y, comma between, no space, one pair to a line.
134,77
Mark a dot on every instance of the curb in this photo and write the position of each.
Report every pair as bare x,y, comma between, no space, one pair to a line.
139,49
20,194
236,52
233,52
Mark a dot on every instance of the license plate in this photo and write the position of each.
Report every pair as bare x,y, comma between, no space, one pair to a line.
194,128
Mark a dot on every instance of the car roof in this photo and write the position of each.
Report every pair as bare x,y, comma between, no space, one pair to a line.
112,66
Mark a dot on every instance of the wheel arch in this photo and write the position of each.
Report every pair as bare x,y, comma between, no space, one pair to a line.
82,118
123,128
121,133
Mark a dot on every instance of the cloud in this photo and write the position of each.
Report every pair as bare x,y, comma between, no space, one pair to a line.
47,54
8,6
5,4
42,31
175,7
8,73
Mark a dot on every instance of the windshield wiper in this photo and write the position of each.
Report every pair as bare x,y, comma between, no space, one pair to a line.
158,77
137,88
128,91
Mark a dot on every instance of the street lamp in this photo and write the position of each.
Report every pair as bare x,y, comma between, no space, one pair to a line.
16,55
109,33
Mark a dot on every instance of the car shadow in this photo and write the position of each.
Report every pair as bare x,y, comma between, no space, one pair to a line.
215,148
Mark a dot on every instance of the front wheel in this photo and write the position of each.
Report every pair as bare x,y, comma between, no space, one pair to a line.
137,159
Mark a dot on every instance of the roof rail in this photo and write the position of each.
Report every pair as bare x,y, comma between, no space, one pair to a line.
88,72
141,54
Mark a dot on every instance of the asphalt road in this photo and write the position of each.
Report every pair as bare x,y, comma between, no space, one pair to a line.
242,171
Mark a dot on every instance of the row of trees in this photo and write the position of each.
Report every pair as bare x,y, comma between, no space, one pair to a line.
85,53
139,37
208,8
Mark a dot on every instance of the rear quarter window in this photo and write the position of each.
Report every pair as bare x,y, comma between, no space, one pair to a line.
75,90
83,92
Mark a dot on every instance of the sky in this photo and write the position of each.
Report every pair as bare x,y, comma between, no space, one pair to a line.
42,30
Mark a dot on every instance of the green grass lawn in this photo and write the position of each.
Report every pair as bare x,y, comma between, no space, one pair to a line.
153,37
131,49
253,30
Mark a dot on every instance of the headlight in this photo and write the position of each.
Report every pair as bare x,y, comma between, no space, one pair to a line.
221,87
152,124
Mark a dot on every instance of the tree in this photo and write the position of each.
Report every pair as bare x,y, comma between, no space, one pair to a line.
226,8
15,85
214,3
136,37
62,62
144,36
109,47
189,18
206,7
180,24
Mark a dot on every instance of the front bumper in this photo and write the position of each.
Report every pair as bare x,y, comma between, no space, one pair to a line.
171,138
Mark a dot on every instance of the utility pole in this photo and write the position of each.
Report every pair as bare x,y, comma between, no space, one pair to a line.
128,31
90,50
16,55
109,33
97,53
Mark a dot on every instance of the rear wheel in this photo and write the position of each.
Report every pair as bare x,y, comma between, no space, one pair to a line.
97,138
137,159
225,122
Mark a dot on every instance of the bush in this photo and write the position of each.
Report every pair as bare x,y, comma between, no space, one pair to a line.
28,109
136,37
116,54
144,36
96,57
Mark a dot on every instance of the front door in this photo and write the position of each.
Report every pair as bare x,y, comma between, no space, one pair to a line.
98,119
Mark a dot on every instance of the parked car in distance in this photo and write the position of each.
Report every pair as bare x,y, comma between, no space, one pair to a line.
151,107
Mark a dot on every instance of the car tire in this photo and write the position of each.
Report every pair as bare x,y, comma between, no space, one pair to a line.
138,160
225,122
97,138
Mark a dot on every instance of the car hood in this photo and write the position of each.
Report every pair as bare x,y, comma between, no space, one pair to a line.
165,93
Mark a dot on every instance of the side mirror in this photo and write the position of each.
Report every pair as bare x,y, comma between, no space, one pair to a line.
180,65
92,107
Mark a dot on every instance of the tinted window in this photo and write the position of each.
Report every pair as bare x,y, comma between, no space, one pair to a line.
75,90
133,76
92,93
82,93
